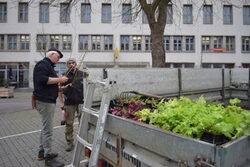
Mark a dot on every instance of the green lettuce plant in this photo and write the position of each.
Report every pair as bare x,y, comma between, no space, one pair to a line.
193,118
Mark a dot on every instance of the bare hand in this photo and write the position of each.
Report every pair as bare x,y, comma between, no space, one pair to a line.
63,79
63,87
62,106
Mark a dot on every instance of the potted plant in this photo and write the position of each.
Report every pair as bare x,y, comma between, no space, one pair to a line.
5,90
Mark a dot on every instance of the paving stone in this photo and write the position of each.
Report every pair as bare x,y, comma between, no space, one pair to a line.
19,139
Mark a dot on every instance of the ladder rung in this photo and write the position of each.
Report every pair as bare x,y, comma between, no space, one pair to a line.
70,165
98,82
81,162
84,142
92,112
84,161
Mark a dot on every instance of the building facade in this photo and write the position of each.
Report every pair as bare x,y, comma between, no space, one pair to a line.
108,33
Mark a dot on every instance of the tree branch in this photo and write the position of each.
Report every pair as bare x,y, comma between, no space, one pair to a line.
147,8
162,12
155,4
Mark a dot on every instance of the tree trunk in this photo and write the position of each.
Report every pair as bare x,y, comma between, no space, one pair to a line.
156,13
158,52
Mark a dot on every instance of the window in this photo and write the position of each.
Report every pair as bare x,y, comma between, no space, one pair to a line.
136,42
44,13
207,14
246,15
66,42
206,65
18,73
3,12
166,41
144,18
229,65
167,65
217,42
188,65
108,42
1,42
24,42
230,43
23,12
12,42
206,43
246,65
177,43
126,13
60,68
41,42
64,12
106,13
83,42
227,14
148,43
63,42
177,65
245,44
23,75
96,42
54,41
169,14
85,13
189,43
12,73
124,42
187,14
217,65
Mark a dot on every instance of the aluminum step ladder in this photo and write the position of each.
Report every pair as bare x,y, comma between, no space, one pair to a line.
81,138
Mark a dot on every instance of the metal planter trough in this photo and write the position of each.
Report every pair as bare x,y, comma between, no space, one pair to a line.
128,143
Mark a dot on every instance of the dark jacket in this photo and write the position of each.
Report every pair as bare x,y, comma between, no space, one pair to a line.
42,91
73,95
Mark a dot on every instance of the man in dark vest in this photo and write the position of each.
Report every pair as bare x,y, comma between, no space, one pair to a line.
72,99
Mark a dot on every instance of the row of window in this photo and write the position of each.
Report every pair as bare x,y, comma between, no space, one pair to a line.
204,65
127,9
127,43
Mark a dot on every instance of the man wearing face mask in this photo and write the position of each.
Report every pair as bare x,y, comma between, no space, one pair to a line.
72,99
45,94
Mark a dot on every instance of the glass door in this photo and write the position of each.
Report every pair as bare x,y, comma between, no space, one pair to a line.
12,75
2,78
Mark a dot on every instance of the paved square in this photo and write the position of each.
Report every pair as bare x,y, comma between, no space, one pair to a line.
19,139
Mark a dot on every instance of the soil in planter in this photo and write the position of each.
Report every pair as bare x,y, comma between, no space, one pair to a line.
246,107
214,138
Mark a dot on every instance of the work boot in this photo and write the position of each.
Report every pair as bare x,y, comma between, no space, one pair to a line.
40,155
69,147
49,156
52,163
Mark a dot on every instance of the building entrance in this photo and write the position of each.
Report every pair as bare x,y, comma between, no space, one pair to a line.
16,74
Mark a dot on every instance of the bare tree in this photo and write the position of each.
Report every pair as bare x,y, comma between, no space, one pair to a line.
156,14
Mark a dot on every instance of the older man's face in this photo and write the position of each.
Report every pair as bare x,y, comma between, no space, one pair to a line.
71,64
54,57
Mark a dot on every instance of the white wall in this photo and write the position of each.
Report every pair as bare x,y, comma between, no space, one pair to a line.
116,28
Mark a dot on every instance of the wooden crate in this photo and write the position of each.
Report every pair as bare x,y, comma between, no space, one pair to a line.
7,92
